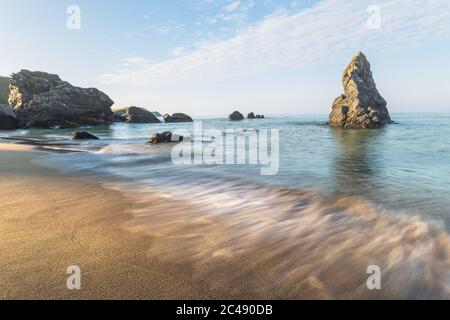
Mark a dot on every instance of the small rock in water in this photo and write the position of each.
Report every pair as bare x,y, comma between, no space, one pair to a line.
84,136
165,137
137,115
252,115
177,117
236,116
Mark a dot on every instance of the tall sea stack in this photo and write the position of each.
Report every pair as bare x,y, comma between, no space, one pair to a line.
361,106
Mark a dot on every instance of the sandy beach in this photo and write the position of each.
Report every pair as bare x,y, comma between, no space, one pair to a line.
49,222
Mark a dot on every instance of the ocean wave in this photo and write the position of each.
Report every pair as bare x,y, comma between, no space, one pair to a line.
279,243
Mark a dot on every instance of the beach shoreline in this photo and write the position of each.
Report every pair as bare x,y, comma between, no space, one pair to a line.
126,248
50,221
146,241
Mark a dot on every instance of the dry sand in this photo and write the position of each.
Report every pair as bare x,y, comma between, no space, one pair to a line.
49,222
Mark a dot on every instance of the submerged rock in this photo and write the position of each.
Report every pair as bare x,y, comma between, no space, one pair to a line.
84,136
165,137
236,116
177,117
135,115
43,100
8,119
361,105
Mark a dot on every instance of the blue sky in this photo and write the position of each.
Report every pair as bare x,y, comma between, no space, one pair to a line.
209,57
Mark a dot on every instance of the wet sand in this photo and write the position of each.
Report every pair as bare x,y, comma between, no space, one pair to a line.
49,222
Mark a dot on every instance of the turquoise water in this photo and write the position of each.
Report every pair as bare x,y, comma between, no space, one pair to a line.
403,167
342,200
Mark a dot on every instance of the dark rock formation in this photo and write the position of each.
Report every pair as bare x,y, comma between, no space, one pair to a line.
4,90
157,114
177,117
8,119
251,115
135,115
43,100
236,116
361,105
84,136
165,137
118,115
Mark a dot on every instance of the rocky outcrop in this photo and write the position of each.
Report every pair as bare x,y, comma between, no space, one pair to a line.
135,115
84,136
8,119
4,90
361,105
165,137
177,117
43,100
236,116
157,114
252,116
118,115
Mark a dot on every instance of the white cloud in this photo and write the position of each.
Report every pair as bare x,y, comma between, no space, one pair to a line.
231,6
178,51
164,30
285,40
235,13
131,61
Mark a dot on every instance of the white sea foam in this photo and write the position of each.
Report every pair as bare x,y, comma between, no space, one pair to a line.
293,244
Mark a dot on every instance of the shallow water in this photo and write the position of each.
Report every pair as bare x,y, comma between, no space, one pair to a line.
342,200
404,167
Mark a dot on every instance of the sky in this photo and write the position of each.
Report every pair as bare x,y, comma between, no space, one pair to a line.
211,57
